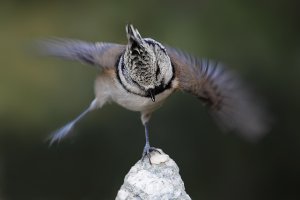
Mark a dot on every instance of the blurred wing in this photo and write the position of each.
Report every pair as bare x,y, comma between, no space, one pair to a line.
104,55
230,102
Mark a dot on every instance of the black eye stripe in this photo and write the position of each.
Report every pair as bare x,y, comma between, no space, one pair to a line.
157,71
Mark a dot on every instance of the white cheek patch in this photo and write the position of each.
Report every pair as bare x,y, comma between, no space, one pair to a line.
164,63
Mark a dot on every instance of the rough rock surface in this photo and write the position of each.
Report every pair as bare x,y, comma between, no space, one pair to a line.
159,181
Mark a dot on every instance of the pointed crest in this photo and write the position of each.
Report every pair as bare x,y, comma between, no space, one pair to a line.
133,34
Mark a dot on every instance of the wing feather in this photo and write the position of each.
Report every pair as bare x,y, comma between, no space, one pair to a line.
104,55
231,103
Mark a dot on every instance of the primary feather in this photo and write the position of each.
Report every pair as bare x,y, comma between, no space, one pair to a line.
231,103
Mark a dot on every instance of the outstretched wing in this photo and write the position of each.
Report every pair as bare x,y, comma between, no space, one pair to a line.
229,100
104,55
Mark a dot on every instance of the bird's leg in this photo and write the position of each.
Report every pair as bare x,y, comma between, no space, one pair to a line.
65,130
148,149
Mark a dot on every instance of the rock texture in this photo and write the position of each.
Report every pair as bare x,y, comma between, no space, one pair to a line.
159,181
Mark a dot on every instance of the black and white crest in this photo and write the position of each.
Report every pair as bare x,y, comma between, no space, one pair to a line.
145,67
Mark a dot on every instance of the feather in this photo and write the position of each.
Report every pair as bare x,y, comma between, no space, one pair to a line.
230,102
104,55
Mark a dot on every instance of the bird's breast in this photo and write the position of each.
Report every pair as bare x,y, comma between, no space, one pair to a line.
109,88
136,102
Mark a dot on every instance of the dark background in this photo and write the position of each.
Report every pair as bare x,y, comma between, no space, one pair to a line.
260,39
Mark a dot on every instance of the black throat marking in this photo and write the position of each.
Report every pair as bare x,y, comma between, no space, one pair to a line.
157,90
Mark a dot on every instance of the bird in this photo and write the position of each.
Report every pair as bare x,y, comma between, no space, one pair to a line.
143,73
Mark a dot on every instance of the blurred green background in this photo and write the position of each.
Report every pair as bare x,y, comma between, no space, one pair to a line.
260,39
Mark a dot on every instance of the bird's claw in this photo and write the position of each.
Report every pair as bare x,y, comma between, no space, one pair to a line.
147,152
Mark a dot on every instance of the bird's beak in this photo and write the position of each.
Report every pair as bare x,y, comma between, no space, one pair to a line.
152,94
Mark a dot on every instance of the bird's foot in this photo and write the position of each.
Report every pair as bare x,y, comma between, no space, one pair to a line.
147,152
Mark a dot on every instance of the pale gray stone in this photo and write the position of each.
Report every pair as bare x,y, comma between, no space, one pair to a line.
159,181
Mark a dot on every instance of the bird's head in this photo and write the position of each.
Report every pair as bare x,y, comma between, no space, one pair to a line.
146,62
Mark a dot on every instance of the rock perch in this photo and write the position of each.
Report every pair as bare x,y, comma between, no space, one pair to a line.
159,181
